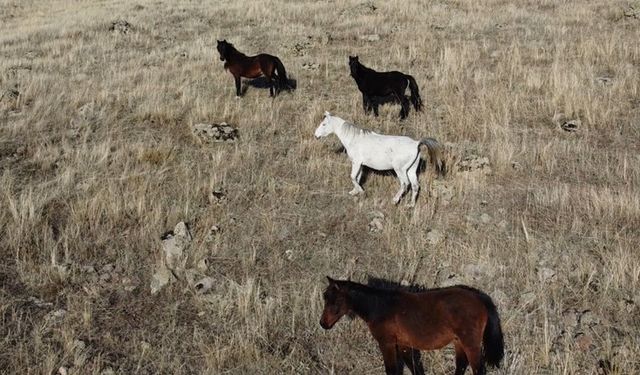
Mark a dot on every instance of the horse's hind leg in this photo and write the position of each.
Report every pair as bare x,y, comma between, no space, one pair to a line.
474,356
461,359
412,173
411,358
404,103
404,183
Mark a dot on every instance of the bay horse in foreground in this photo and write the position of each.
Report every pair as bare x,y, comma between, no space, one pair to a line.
241,65
404,322
382,152
376,86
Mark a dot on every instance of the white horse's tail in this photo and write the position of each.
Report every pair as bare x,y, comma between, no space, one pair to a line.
435,153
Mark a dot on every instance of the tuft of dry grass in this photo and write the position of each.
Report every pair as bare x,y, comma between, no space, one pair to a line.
97,161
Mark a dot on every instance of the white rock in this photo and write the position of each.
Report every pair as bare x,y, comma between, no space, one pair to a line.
434,237
174,245
370,37
204,285
545,274
160,279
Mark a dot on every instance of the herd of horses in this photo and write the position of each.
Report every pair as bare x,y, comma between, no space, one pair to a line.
403,320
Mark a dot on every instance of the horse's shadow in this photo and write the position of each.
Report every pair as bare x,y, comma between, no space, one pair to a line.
263,83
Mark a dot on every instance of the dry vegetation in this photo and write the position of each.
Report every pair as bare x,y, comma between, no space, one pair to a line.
97,161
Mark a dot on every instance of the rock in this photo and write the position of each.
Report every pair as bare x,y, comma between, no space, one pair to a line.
501,298
39,302
218,196
571,125
63,371
473,162
208,133
160,279
434,237
370,37
583,341
485,218
56,316
545,274
288,254
442,191
108,371
121,26
478,271
79,345
214,231
10,94
527,298
203,265
174,244
589,319
570,318
377,222
604,80
204,285
310,66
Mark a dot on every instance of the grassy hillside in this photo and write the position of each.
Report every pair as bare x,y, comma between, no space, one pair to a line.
98,160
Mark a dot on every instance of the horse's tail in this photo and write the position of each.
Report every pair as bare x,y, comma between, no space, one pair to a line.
415,93
435,153
492,340
283,81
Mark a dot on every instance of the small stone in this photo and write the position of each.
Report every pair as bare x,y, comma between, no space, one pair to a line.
289,254
434,237
63,370
204,285
527,298
589,319
485,218
160,279
545,274
571,125
370,37
376,225
79,344
203,265
583,341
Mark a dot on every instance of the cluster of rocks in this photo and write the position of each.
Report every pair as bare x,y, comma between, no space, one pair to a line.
176,246
376,223
121,26
208,133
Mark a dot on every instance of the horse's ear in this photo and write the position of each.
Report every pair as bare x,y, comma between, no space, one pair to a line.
333,283
327,114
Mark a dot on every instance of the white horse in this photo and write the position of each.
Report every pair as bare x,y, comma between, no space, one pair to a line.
382,152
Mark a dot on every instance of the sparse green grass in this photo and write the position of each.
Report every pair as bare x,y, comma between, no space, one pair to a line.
97,161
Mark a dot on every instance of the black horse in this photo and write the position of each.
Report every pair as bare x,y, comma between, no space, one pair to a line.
380,87
241,65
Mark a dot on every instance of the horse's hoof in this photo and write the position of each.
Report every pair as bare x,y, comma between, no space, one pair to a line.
238,97
355,192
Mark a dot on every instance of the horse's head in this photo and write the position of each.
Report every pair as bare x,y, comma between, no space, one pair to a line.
224,49
335,303
353,64
326,127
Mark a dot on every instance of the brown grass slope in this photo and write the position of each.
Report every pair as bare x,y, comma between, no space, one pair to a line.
97,161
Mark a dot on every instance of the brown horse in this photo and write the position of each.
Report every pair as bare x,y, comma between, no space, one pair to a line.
404,322
241,65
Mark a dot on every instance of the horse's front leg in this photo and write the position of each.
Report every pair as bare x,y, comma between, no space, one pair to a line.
392,362
366,104
238,84
411,358
356,169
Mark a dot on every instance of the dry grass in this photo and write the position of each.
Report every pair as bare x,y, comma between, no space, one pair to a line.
97,161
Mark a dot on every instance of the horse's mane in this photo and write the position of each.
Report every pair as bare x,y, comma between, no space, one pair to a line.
230,50
384,284
351,130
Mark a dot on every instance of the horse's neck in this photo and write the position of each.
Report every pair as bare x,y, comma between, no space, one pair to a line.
234,53
345,134
368,304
